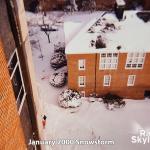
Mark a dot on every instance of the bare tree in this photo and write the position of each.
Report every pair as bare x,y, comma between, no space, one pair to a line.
44,27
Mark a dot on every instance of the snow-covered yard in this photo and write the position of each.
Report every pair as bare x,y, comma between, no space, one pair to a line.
91,121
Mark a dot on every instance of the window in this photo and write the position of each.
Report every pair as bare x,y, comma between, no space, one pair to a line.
107,80
17,80
81,81
135,60
81,64
108,61
131,80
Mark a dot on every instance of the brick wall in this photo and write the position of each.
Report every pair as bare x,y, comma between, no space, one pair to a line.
5,31
147,4
119,76
109,4
73,72
105,5
12,137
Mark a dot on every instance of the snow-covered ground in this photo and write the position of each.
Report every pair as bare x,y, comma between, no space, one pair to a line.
91,121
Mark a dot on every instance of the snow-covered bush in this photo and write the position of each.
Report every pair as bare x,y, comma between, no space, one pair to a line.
69,99
60,47
145,16
110,106
58,60
57,79
112,100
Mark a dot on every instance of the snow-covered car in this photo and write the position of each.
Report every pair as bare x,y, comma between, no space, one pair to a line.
69,99
58,60
57,79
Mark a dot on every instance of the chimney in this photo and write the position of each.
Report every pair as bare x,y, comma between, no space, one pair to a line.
119,8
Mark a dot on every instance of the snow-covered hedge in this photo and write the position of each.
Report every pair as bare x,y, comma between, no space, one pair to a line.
69,99
113,101
58,60
59,48
145,16
57,79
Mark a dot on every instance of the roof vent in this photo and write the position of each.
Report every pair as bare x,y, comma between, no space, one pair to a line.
119,8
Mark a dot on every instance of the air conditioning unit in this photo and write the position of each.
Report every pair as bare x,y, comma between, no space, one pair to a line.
119,8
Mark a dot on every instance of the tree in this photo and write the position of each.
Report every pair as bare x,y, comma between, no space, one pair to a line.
44,27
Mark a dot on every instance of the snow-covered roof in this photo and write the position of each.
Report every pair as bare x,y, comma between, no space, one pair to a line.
70,29
131,34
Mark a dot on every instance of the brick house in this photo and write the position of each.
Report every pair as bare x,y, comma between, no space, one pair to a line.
122,67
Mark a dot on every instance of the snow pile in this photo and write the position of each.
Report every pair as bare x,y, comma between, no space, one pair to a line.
69,99
57,79
58,60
